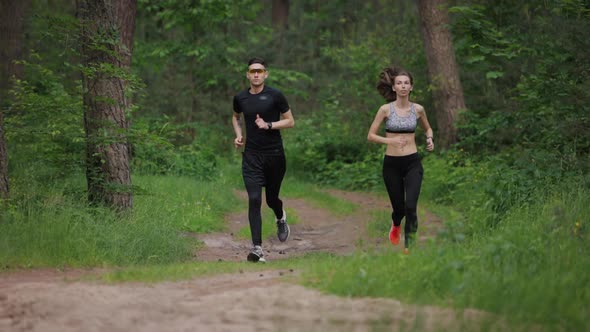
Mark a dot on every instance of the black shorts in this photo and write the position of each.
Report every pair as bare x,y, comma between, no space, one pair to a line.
263,170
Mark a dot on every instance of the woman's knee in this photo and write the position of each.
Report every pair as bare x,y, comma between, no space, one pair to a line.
397,215
411,214
411,220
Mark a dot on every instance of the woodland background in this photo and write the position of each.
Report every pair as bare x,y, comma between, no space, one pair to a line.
88,91
523,69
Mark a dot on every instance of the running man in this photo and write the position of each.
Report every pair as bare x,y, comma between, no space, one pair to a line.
265,111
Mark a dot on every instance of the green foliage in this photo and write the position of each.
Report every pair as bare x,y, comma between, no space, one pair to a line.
327,157
290,82
162,147
526,126
538,105
514,189
186,202
534,266
44,125
53,226
330,145
316,196
171,47
483,191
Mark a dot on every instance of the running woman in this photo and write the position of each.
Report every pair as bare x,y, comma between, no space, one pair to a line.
402,167
265,111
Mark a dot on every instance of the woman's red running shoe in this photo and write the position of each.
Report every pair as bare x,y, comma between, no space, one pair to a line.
394,234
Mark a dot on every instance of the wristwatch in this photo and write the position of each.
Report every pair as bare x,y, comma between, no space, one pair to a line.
269,125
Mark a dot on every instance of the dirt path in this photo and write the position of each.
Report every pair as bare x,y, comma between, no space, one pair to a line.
43,300
318,230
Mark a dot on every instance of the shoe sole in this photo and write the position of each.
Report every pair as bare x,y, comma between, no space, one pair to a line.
288,229
288,234
252,257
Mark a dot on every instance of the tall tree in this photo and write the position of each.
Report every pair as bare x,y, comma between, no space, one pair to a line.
11,48
107,46
280,14
442,68
280,23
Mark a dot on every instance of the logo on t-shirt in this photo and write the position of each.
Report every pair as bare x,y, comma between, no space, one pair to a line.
263,98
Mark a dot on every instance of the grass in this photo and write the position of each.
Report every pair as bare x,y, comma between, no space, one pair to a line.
533,268
53,226
317,197
188,270
173,272
188,204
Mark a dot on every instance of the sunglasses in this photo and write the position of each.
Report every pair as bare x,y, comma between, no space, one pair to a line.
257,71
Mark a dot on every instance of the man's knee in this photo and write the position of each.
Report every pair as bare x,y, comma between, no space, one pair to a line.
255,198
273,201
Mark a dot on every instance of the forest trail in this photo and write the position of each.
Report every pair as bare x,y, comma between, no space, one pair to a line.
48,300
318,230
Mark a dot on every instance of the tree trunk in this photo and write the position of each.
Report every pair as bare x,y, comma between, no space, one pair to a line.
12,15
280,14
107,46
4,184
442,69
280,23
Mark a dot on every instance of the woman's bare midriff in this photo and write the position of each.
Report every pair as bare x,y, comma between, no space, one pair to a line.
397,151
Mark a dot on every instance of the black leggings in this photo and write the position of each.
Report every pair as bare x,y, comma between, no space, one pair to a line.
259,171
403,178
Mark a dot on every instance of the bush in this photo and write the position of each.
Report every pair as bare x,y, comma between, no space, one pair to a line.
44,126
532,270
154,151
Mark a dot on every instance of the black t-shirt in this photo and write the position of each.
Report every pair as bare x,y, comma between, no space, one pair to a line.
268,104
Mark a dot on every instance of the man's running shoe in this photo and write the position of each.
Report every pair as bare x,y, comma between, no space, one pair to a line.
394,234
283,230
256,255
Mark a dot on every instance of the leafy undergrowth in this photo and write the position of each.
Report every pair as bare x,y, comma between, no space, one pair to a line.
533,267
54,227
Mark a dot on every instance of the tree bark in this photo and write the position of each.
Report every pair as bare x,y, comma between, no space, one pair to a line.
280,23
107,46
280,14
442,69
12,16
4,184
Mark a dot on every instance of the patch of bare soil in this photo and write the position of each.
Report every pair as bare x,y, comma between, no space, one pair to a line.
46,300
258,301
317,230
